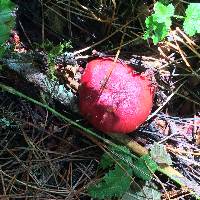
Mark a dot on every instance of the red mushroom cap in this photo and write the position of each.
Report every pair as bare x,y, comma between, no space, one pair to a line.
118,104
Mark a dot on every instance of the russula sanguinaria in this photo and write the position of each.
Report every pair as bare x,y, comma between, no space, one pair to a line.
114,97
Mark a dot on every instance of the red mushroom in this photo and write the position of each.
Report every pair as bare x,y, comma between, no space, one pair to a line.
113,97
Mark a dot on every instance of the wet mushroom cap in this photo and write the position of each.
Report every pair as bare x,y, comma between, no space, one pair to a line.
118,104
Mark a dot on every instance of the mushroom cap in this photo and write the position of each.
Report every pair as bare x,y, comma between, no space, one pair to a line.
119,104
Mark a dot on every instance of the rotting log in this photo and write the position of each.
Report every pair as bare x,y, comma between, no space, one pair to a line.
24,67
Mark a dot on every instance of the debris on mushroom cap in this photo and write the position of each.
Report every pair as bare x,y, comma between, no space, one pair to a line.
113,97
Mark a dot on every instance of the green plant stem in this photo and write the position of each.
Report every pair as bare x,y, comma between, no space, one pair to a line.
19,94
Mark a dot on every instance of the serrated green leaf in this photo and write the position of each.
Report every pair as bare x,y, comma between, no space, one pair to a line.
191,24
156,31
118,152
118,180
149,25
106,161
149,191
160,32
144,167
158,24
122,152
163,13
114,184
159,154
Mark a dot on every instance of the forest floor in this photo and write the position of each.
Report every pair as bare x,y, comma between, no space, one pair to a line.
42,154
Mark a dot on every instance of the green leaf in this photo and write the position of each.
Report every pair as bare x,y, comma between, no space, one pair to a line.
149,191
6,22
144,167
149,25
191,24
106,161
2,51
117,153
159,154
158,24
160,32
118,179
163,13
5,31
6,4
114,184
